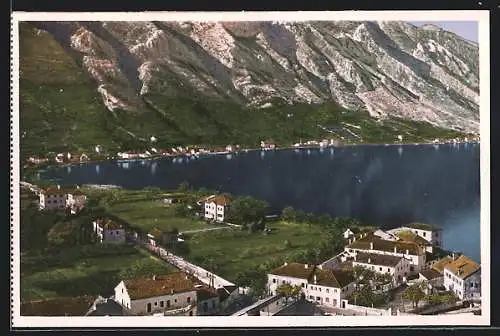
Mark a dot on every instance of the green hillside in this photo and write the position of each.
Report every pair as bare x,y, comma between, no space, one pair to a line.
61,110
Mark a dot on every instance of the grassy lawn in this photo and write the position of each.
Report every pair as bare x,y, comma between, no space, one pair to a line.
234,251
81,270
148,211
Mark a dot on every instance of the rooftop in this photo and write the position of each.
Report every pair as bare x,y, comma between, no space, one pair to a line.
62,190
108,224
219,200
155,233
324,277
65,306
378,259
295,270
441,263
385,245
409,236
463,267
422,226
430,274
147,287
332,278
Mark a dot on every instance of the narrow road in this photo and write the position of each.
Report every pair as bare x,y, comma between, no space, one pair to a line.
207,229
202,274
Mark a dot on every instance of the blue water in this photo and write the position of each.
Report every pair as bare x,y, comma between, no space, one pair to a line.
382,185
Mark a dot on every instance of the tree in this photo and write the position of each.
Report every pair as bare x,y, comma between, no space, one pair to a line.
289,214
285,290
246,211
414,294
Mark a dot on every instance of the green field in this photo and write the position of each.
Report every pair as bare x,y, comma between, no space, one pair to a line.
145,210
83,270
228,252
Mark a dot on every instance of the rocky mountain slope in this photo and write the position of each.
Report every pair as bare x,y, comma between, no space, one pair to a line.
388,69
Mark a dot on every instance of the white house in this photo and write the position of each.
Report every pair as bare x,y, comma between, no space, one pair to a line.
109,231
216,208
170,294
397,266
57,198
369,243
323,286
430,233
462,276
154,237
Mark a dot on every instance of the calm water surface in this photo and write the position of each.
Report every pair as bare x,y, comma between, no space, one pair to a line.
383,185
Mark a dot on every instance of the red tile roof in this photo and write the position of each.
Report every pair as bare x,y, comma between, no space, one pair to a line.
156,233
61,191
147,287
324,277
377,259
108,224
463,267
219,200
64,306
385,245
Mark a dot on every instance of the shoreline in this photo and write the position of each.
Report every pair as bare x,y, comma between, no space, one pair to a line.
246,150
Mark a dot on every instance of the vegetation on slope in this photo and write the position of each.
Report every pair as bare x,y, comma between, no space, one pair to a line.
61,110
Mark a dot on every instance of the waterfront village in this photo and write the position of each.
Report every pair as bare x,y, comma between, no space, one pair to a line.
376,272
100,154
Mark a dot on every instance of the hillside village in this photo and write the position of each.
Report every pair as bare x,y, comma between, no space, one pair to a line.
379,272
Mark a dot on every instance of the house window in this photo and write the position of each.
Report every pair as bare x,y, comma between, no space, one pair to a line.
302,285
168,303
311,297
122,290
274,280
327,300
380,268
318,298
191,313
156,304
335,290
162,304
424,233
388,270
283,282
188,299
319,289
175,300
149,307
327,290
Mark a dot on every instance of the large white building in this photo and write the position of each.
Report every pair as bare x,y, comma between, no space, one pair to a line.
398,267
369,243
171,294
57,198
216,208
323,286
462,276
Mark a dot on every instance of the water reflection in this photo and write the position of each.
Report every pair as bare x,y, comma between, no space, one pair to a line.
154,165
229,156
68,169
400,151
97,169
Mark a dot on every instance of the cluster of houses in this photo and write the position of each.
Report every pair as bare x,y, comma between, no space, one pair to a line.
172,294
59,158
405,255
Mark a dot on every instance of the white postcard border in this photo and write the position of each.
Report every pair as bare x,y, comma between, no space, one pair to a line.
481,16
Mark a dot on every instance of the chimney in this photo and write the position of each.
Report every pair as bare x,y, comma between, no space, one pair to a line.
407,251
350,241
369,260
306,266
371,245
354,238
315,279
395,249
58,187
355,257
154,277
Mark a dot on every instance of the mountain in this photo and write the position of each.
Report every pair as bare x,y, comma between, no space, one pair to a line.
118,83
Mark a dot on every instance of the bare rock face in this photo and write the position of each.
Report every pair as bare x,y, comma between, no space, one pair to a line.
386,68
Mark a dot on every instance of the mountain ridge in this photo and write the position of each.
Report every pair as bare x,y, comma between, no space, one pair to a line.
386,69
